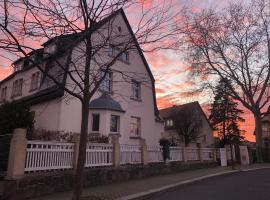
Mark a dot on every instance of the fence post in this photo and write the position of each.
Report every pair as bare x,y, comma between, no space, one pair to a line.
17,154
199,146
76,141
184,153
116,150
144,152
214,154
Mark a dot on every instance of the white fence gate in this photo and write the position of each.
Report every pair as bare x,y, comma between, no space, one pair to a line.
98,155
130,154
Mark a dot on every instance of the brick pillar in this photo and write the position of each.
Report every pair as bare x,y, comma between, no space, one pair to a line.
116,150
76,141
184,153
144,152
17,154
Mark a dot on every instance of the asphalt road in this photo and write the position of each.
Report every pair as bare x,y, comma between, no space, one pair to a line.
252,185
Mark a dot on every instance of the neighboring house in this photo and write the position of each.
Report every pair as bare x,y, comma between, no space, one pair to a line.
205,137
266,128
126,108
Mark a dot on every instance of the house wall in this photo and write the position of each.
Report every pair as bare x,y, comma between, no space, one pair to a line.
150,130
205,130
47,115
65,114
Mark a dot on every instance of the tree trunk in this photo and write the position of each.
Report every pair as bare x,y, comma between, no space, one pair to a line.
258,132
78,180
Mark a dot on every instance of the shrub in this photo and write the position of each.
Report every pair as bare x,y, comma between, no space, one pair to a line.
165,143
12,115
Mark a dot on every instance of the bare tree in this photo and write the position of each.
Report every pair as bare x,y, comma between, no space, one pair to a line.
234,44
187,123
84,32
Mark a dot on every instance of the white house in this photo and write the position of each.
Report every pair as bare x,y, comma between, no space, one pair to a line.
120,106
204,138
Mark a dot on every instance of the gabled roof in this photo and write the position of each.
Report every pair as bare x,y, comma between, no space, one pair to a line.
167,113
64,39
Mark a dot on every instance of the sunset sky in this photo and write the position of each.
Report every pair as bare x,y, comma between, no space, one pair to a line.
173,83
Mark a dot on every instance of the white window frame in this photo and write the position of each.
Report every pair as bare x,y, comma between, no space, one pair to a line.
169,123
135,90
135,126
106,83
117,124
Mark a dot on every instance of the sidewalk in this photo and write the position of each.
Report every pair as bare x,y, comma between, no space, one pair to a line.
137,188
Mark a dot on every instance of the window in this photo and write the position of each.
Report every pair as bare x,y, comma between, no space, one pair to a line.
136,90
17,88
169,122
114,51
106,84
114,123
135,126
204,138
95,122
3,94
110,51
35,79
124,57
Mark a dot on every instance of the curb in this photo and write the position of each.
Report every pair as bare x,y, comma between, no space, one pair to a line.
171,187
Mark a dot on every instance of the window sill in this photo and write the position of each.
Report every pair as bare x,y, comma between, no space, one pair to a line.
134,99
135,137
32,90
114,133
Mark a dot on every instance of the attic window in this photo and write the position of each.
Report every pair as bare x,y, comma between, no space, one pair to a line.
119,29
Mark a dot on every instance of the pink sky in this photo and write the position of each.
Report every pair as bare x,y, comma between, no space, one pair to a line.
173,85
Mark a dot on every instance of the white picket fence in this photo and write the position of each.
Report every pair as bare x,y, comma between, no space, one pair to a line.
154,154
207,153
192,154
176,154
48,156
99,155
130,154
41,156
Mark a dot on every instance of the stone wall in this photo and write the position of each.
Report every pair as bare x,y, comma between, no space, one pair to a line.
39,184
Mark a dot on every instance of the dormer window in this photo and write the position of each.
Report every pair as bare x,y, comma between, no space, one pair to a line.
18,66
50,49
